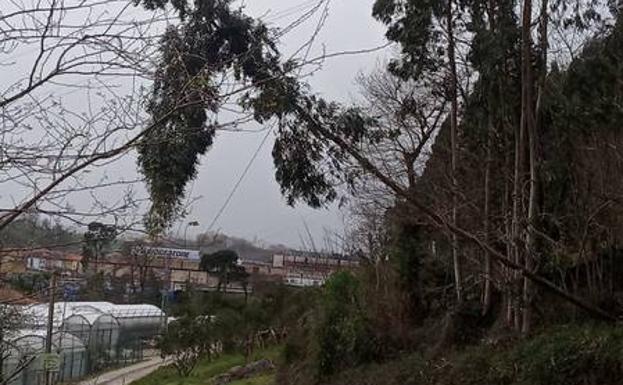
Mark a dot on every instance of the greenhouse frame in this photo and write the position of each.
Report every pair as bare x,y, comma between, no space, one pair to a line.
88,337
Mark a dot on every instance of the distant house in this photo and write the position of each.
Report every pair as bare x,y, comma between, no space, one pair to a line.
298,268
41,260
72,262
304,281
12,264
302,268
257,267
46,260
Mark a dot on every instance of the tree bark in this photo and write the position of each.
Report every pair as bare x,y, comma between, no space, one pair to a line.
486,297
458,270
327,134
520,140
531,112
486,300
528,127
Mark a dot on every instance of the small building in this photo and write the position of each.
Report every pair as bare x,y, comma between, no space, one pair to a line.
302,269
258,267
46,260
12,264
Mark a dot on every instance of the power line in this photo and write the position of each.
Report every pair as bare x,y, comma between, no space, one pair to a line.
240,179
272,17
252,160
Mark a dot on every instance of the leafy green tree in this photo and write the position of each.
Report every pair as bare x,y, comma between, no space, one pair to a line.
188,339
98,239
213,39
224,264
317,141
238,327
343,334
239,274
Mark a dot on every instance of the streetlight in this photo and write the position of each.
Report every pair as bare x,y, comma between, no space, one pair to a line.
193,224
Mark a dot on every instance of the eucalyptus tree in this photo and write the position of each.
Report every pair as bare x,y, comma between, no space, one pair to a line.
427,33
317,141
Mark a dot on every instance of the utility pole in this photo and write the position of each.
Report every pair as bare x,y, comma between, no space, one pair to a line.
194,224
163,303
48,336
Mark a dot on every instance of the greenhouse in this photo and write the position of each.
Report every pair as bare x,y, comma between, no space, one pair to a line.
99,332
138,321
138,324
73,356
87,336
25,349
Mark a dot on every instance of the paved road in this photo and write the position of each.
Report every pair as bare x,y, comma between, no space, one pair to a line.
125,376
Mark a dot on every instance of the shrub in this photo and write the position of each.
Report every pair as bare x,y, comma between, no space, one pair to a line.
572,355
343,335
568,355
188,340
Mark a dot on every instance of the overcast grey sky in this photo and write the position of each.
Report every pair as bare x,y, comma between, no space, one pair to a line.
258,210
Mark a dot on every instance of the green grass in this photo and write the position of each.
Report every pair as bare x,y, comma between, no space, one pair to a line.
206,370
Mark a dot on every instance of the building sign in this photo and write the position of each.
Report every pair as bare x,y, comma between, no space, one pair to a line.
51,362
166,252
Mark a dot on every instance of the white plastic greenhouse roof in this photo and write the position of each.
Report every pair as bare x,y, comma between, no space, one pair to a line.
79,307
28,333
125,310
94,316
102,306
37,315
65,341
28,340
34,340
138,310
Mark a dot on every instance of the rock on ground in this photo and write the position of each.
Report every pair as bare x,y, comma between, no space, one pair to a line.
247,371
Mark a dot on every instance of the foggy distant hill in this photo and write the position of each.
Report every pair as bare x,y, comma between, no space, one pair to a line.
30,230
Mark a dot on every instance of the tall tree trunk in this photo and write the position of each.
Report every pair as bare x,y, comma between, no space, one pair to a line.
520,139
458,270
519,175
529,122
486,298
486,301
321,131
508,227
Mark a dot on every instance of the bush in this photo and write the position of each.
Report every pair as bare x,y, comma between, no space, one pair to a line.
344,338
189,340
569,355
572,355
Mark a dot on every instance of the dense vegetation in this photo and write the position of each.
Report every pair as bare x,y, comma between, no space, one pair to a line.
209,325
483,168
565,355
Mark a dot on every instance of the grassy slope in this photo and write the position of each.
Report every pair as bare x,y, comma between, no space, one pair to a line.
205,370
566,355
571,355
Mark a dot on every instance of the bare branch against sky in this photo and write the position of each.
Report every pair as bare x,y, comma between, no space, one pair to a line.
74,79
